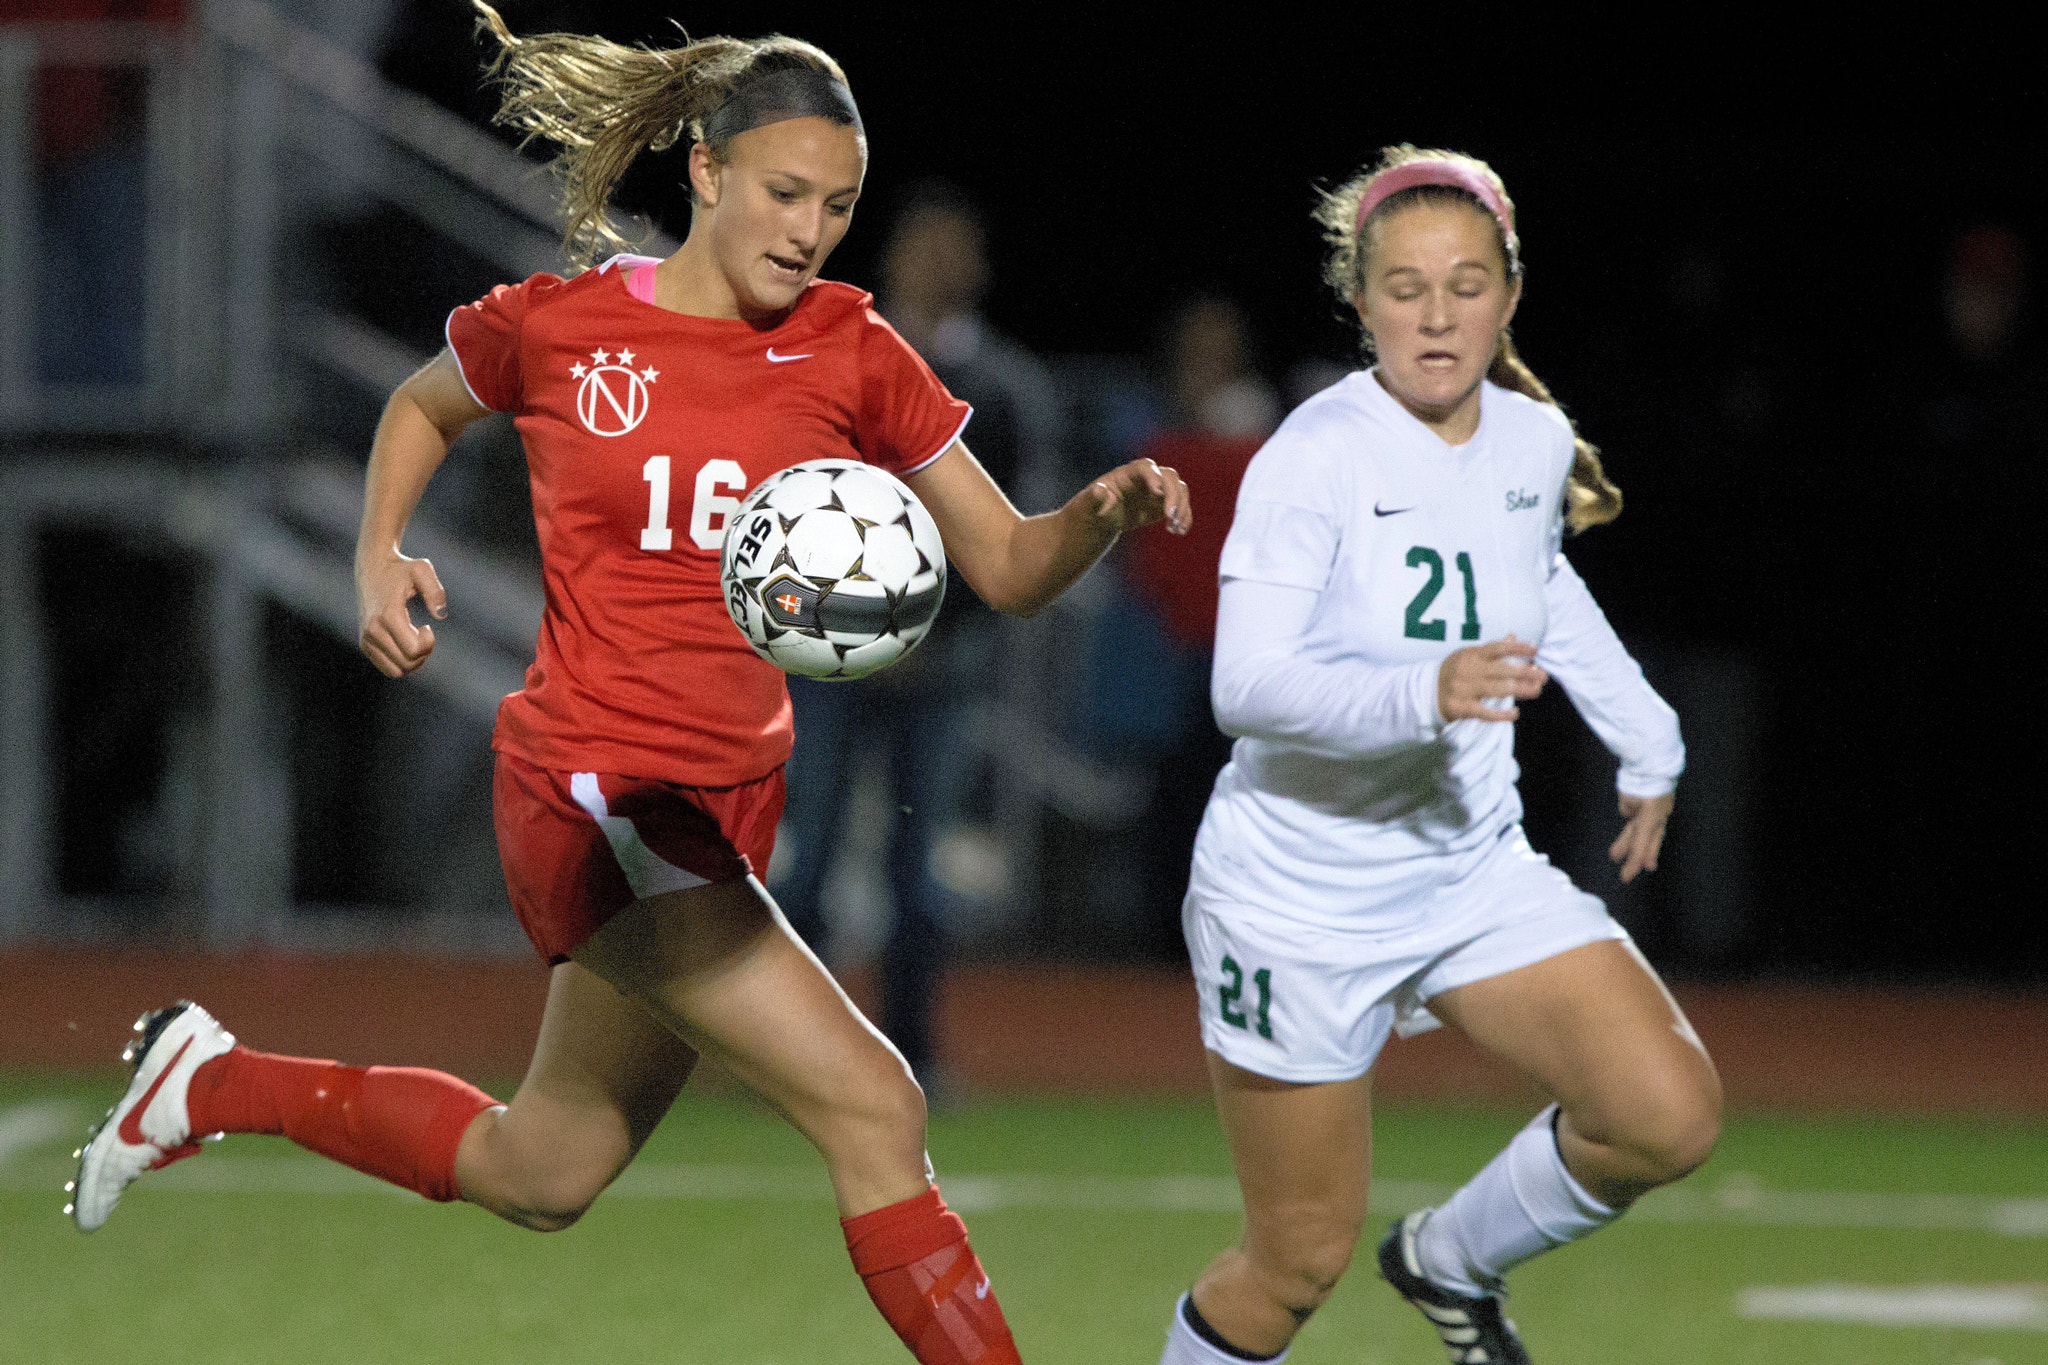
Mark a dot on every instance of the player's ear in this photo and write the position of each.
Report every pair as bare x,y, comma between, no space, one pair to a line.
1358,302
706,172
1514,300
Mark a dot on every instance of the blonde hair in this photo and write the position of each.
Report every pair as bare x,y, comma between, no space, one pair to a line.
603,103
1591,498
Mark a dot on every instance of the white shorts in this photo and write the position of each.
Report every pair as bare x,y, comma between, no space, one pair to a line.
1301,1003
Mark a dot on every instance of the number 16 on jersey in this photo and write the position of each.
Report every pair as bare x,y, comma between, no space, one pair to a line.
710,510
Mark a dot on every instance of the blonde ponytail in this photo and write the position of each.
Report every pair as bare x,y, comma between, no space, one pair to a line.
603,103
1591,498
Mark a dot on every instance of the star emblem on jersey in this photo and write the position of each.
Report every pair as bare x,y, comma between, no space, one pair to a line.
613,398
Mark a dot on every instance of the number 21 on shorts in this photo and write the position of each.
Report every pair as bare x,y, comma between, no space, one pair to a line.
1231,993
706,503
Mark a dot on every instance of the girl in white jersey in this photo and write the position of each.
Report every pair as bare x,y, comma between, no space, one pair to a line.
1393,584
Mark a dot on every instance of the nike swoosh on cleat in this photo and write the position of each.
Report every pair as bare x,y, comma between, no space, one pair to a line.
1380,511
981,1290
130,1130
785,359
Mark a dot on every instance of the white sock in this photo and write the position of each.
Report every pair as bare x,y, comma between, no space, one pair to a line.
1524,1203
1183,1347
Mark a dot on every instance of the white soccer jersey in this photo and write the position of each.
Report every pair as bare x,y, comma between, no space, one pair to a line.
1348,803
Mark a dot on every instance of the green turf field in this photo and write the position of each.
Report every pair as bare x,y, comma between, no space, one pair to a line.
721,1245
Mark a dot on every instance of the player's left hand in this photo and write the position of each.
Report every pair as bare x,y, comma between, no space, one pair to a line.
1643,836
1139,494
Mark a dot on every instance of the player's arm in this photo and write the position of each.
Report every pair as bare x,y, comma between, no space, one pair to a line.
1019,564
424,416
1608,689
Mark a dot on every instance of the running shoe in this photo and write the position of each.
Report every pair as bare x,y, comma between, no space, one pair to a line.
149,1128
1474,1330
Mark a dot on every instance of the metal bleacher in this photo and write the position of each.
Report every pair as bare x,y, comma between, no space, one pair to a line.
207,445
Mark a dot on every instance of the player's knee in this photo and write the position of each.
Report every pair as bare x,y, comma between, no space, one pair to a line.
895,1104
1304,1264
872,1116
547,1193
556,1202
1673,1136
1308,1274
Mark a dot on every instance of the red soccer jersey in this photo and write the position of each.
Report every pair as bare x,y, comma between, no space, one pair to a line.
643,430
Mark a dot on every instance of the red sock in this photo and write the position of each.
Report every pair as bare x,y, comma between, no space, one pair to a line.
398,1123
921,1273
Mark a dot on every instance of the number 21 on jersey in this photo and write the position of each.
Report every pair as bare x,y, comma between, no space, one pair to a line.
706,503
1422,557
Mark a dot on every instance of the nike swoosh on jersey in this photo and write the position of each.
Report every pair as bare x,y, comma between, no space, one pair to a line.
1380,511
130,1130
785,359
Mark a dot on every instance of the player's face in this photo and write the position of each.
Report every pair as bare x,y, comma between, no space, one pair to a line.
778,206
1435,301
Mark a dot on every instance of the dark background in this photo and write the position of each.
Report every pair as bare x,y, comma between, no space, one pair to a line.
1736,239
1738,236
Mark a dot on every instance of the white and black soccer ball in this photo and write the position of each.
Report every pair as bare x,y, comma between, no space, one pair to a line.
832,569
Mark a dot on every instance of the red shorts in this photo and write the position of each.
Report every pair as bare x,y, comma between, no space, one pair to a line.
580,847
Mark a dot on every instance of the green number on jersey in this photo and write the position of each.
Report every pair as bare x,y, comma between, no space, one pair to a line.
1470,630
1419,629
1231,992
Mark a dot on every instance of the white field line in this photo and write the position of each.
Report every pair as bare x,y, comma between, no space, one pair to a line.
28,1126
1982,1306
1737,1201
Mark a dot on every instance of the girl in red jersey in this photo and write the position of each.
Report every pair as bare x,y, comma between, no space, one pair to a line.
639,772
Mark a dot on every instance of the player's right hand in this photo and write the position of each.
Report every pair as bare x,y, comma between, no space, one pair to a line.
387,634
1504,669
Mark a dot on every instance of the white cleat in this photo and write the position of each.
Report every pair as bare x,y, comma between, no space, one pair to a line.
149,1128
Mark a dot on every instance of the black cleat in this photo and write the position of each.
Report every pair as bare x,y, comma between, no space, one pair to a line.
1474,1330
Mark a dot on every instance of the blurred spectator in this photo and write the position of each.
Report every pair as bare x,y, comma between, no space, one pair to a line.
1153,669
91,201
1983,395
935,272
1222,412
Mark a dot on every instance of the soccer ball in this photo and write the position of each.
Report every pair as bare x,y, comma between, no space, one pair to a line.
832,569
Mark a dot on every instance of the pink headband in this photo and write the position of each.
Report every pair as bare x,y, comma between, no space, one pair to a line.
1451,173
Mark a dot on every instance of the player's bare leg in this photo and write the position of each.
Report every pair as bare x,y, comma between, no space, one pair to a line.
603,1073
1638,1106
1640,1100
1303,1155
719,965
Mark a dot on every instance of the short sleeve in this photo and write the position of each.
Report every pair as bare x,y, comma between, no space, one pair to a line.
907,419
484,337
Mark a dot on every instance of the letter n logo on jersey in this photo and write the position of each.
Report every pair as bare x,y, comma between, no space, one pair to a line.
614,398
